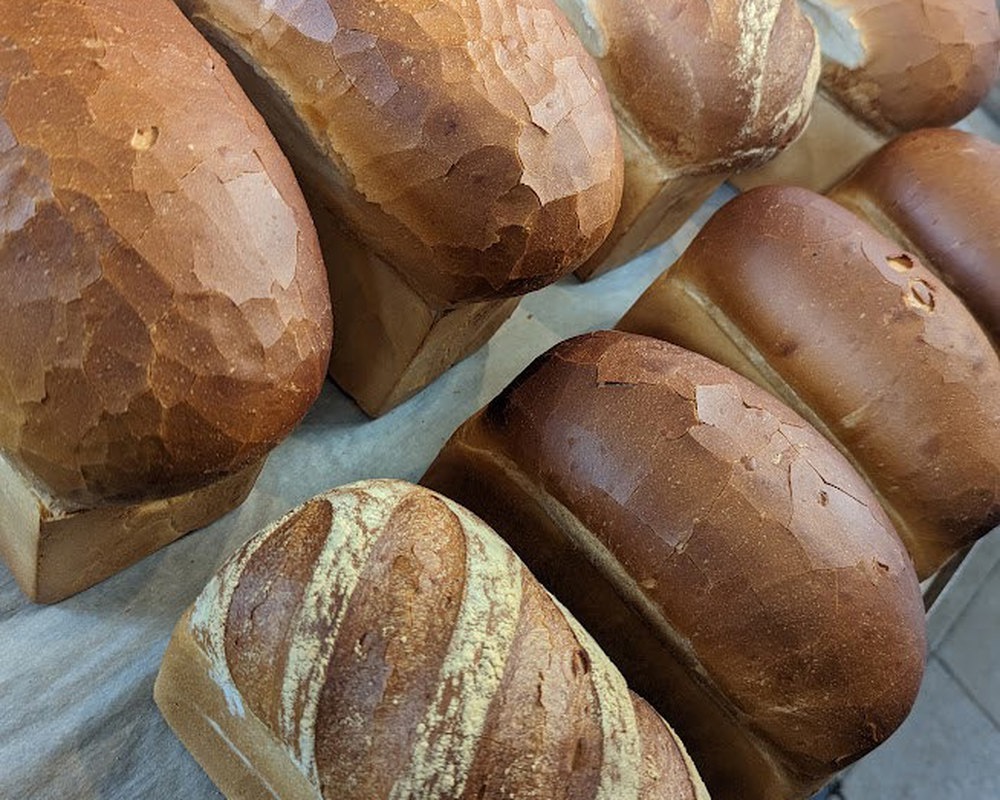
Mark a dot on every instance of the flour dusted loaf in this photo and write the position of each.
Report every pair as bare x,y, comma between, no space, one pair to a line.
700,91
725,556
455,155
382,642
937,192
889,66
859,337
164,317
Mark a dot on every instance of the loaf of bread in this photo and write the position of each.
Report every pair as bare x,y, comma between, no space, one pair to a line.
700,90
859,337
454,154
725,556
889,66
937,192
382,642
165,318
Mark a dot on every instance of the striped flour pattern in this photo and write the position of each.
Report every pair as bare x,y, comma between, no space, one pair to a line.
449,736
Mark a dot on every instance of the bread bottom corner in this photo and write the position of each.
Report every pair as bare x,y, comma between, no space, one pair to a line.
54,554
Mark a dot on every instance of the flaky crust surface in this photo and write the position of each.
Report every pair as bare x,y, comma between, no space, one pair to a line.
748,550
165,318
899,65
862,339
469,144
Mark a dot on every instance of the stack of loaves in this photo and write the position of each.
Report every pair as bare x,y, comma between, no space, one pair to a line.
166,321
457,155
889,66
850,329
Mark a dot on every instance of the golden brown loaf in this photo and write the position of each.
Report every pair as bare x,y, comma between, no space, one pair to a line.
164,318
726,557
801,296
937,192
898,65
709,87
382,642
699,89
469,144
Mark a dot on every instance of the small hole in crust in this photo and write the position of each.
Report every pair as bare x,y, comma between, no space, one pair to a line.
920,296
824,499
900,263
144,138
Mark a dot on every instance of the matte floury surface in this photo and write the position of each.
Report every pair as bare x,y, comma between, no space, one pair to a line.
394,647
165,319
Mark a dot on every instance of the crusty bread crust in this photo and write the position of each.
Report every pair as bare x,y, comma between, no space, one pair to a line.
858,336
723,553
165,319
470,145
934,192
899,65
382,642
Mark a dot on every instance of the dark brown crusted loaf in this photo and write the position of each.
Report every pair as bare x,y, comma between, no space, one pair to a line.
898,65
937,192
469,145
382,642
164,319
801,296
726,557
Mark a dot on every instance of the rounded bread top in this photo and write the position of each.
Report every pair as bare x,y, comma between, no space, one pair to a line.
711,87
471,145
845,322
743,530
165,318
398,648
899,65
937,188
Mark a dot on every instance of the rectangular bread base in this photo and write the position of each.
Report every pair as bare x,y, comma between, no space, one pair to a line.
655,204
389,342
54,554
829,149
237,751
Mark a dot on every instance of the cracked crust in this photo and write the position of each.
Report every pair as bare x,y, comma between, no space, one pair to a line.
470,145
934,192
381,641
857,335
732,563
165,319
899,65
